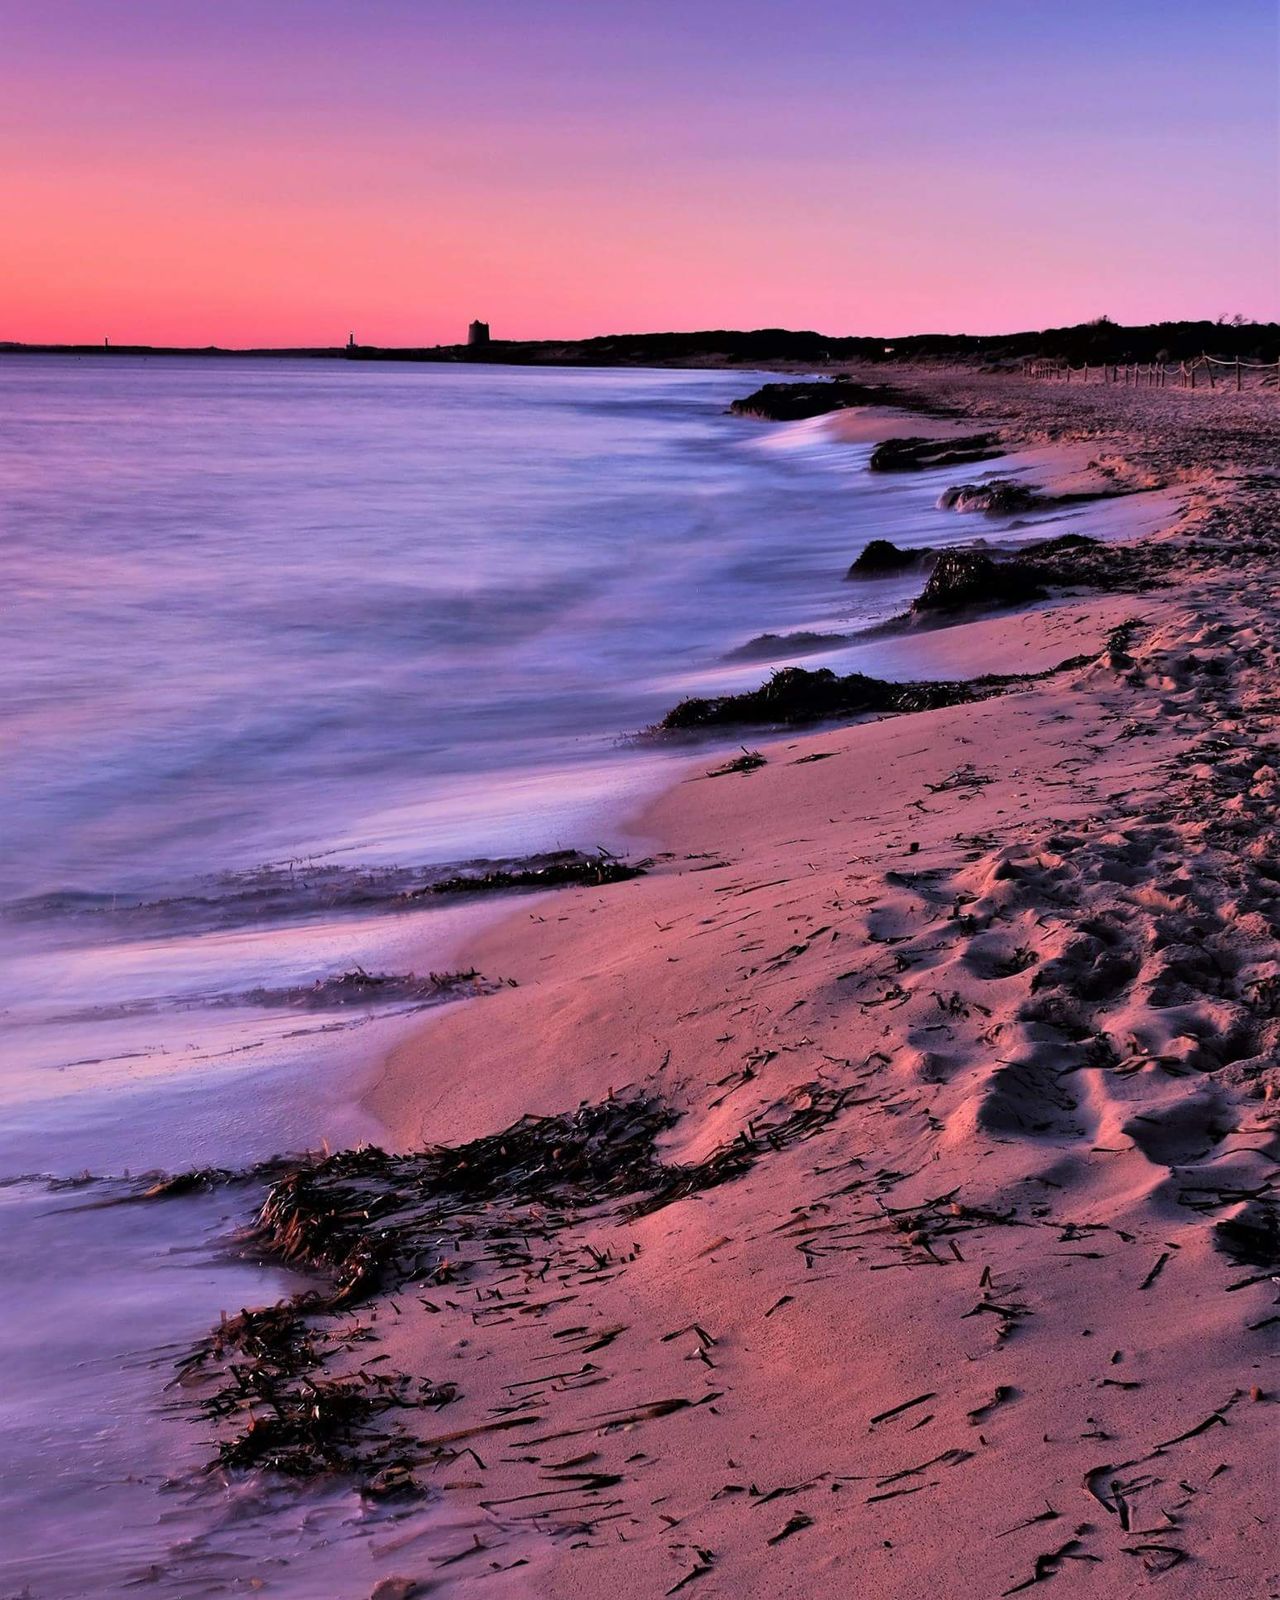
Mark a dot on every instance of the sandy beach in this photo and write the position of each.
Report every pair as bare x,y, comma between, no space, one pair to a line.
639,851
952,1272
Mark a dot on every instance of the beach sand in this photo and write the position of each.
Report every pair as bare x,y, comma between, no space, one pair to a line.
991,1310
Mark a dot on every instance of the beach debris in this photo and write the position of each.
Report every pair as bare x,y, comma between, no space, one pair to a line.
1047,1515
358,987
1002,1394
969,578
706,1560
1008,1316
1161,1262
795,402
795,695
1156,1557
306,888
995,497
1118,643
906,1405
1048,1564
914,454
200,1180
965,777
964,578
748,761
1074,560
881,558
795,1523
804,642
1252,1237
564,868
369,1222
285,1418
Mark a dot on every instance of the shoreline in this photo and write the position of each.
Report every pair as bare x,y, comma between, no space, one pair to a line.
947,643
978,1324
960,647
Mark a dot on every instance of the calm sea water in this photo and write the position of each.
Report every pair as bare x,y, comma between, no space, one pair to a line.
268,624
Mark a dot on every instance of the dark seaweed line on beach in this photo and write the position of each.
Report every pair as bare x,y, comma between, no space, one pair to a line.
309,889
371,1223
797,696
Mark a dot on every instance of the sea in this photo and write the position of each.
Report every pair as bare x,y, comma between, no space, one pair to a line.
282,640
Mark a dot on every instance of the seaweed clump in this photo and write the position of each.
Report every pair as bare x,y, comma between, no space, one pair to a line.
360,988
299,1425
915,454
749,761
1073,560
370,1221
1118,643
793,402
881,558
557,871
965,578
999,497
796,695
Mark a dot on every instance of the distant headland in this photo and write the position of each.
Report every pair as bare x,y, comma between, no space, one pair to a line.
1099,341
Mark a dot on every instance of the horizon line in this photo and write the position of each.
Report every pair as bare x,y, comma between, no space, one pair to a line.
110,344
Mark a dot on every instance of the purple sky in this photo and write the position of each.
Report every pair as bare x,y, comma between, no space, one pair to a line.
286,171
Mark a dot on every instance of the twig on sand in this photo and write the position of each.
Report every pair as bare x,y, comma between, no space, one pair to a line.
906,1405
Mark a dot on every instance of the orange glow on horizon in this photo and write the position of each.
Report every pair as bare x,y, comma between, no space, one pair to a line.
217,185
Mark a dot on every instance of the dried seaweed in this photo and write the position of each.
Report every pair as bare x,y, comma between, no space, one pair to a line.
570,867
794,696
370,1221
748,761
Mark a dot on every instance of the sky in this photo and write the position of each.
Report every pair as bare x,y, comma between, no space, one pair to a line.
284,172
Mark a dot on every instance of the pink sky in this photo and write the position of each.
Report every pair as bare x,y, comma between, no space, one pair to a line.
182,173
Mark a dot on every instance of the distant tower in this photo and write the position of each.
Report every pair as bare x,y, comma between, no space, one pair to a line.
351,341
478,333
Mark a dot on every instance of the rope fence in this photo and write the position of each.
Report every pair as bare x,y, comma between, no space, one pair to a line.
1157,374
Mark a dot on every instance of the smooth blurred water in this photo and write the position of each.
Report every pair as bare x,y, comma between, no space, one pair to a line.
337,615
265,609
330,615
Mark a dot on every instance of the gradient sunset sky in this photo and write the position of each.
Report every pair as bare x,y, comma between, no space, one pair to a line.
284,171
